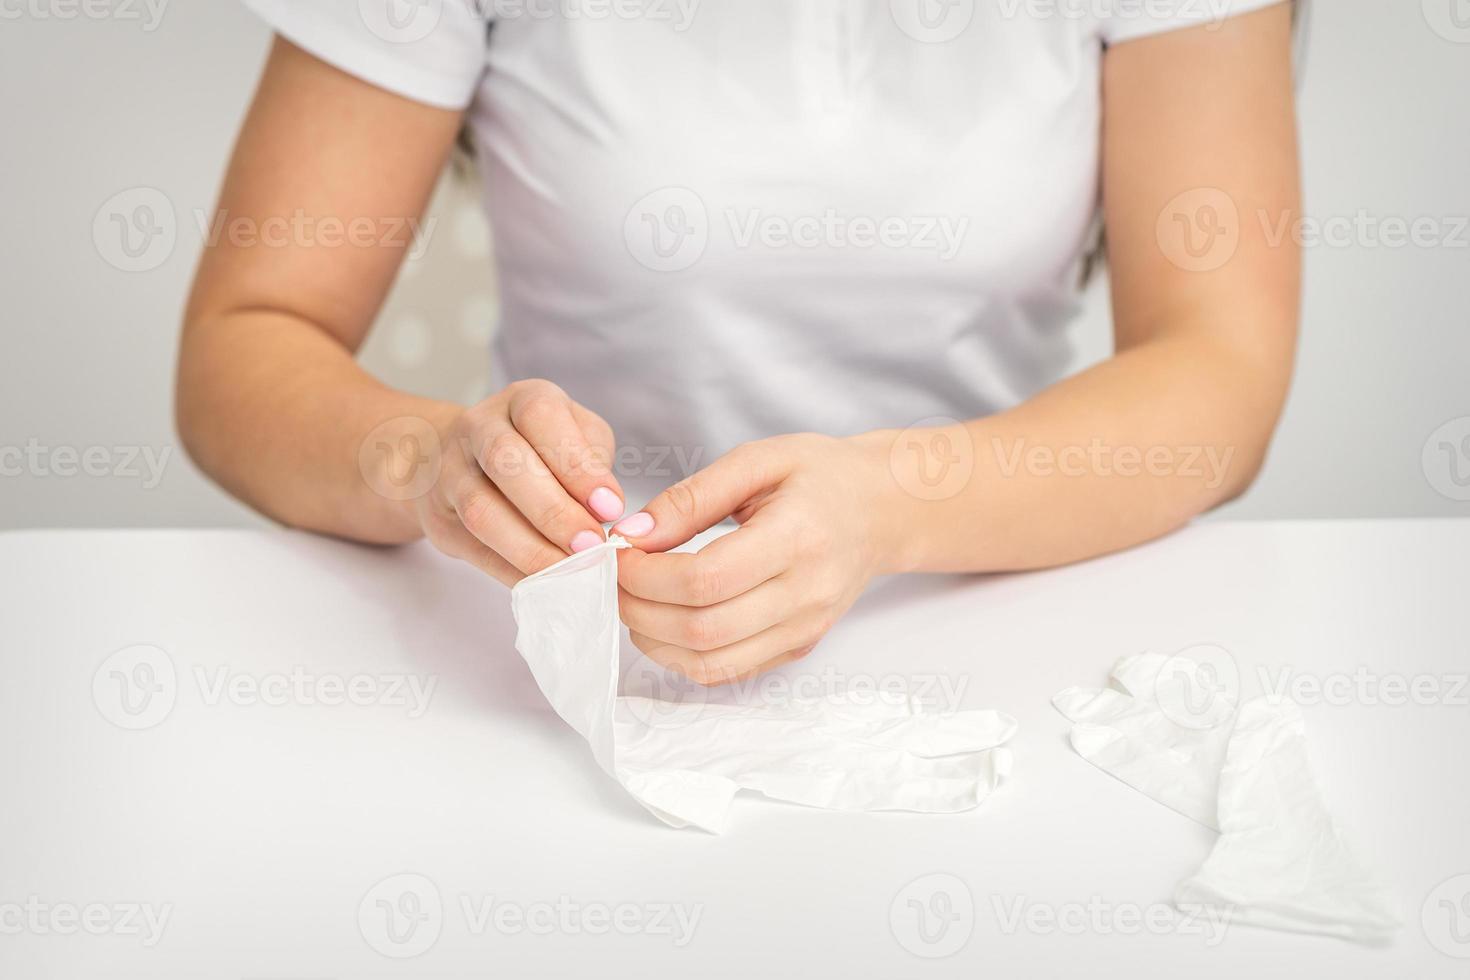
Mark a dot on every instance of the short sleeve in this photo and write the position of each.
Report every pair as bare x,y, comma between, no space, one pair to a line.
1129,19
431,51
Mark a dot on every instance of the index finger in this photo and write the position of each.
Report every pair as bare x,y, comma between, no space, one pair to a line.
545,419
726,567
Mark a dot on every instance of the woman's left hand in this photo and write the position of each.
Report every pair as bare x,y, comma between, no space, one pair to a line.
815,527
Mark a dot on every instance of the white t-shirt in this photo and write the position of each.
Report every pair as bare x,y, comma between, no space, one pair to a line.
719,220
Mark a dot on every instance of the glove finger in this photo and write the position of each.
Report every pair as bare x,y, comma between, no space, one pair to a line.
1138,675
1098,706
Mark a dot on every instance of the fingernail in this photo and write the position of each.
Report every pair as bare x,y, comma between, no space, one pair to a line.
637,526
584,540
605,504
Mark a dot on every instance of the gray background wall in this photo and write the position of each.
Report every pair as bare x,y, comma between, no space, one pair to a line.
132,96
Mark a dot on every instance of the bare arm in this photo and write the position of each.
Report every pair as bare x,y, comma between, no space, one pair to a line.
1204,340
270,400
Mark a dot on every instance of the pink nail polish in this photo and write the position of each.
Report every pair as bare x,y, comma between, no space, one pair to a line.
638,526
605,504
585,539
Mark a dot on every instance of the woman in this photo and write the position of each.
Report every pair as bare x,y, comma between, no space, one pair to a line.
832,243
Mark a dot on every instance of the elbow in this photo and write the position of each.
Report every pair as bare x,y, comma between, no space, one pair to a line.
1247,414
1240,475
1233,469
186,418
194,418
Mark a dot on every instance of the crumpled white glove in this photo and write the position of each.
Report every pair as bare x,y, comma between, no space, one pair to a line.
685,762
1125,731
1281,861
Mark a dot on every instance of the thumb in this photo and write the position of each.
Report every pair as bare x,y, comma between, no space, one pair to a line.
702,500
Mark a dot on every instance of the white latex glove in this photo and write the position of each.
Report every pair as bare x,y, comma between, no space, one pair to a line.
685,762
1281,861
1123,731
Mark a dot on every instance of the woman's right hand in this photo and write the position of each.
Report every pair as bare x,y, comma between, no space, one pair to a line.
526,479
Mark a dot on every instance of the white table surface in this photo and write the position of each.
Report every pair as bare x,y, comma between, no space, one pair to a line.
261,829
